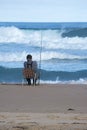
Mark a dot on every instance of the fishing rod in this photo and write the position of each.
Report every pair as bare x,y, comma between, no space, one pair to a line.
40,56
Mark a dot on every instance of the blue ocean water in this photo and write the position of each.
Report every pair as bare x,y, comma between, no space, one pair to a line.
60,50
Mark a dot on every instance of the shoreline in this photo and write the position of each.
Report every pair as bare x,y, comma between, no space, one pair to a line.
46,83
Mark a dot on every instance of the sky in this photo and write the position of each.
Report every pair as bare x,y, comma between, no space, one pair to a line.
43,10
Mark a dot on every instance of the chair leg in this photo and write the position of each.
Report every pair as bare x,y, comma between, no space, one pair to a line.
34,81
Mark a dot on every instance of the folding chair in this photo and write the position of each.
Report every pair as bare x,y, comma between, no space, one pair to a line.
29,73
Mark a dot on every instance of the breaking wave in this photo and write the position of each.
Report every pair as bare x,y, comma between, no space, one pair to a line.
51,39
15,74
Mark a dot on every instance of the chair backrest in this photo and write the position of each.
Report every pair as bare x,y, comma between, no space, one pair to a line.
28,73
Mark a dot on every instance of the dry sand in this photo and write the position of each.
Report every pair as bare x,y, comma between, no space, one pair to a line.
43,107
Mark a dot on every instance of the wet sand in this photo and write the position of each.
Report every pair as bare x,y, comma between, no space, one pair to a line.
43,107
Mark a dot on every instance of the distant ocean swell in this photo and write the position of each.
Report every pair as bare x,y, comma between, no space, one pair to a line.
81,32
15,75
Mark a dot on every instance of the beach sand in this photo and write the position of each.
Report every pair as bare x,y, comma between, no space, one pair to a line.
43,107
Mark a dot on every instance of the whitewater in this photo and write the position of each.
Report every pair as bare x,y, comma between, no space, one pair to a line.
60,50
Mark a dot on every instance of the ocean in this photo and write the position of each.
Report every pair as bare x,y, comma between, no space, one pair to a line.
60,50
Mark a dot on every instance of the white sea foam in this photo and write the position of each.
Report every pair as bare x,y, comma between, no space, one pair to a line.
51,39
9,57
80,81
21,56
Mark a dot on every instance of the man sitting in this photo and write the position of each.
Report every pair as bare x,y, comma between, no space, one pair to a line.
30,70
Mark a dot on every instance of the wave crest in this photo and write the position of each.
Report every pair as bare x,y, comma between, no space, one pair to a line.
51,39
